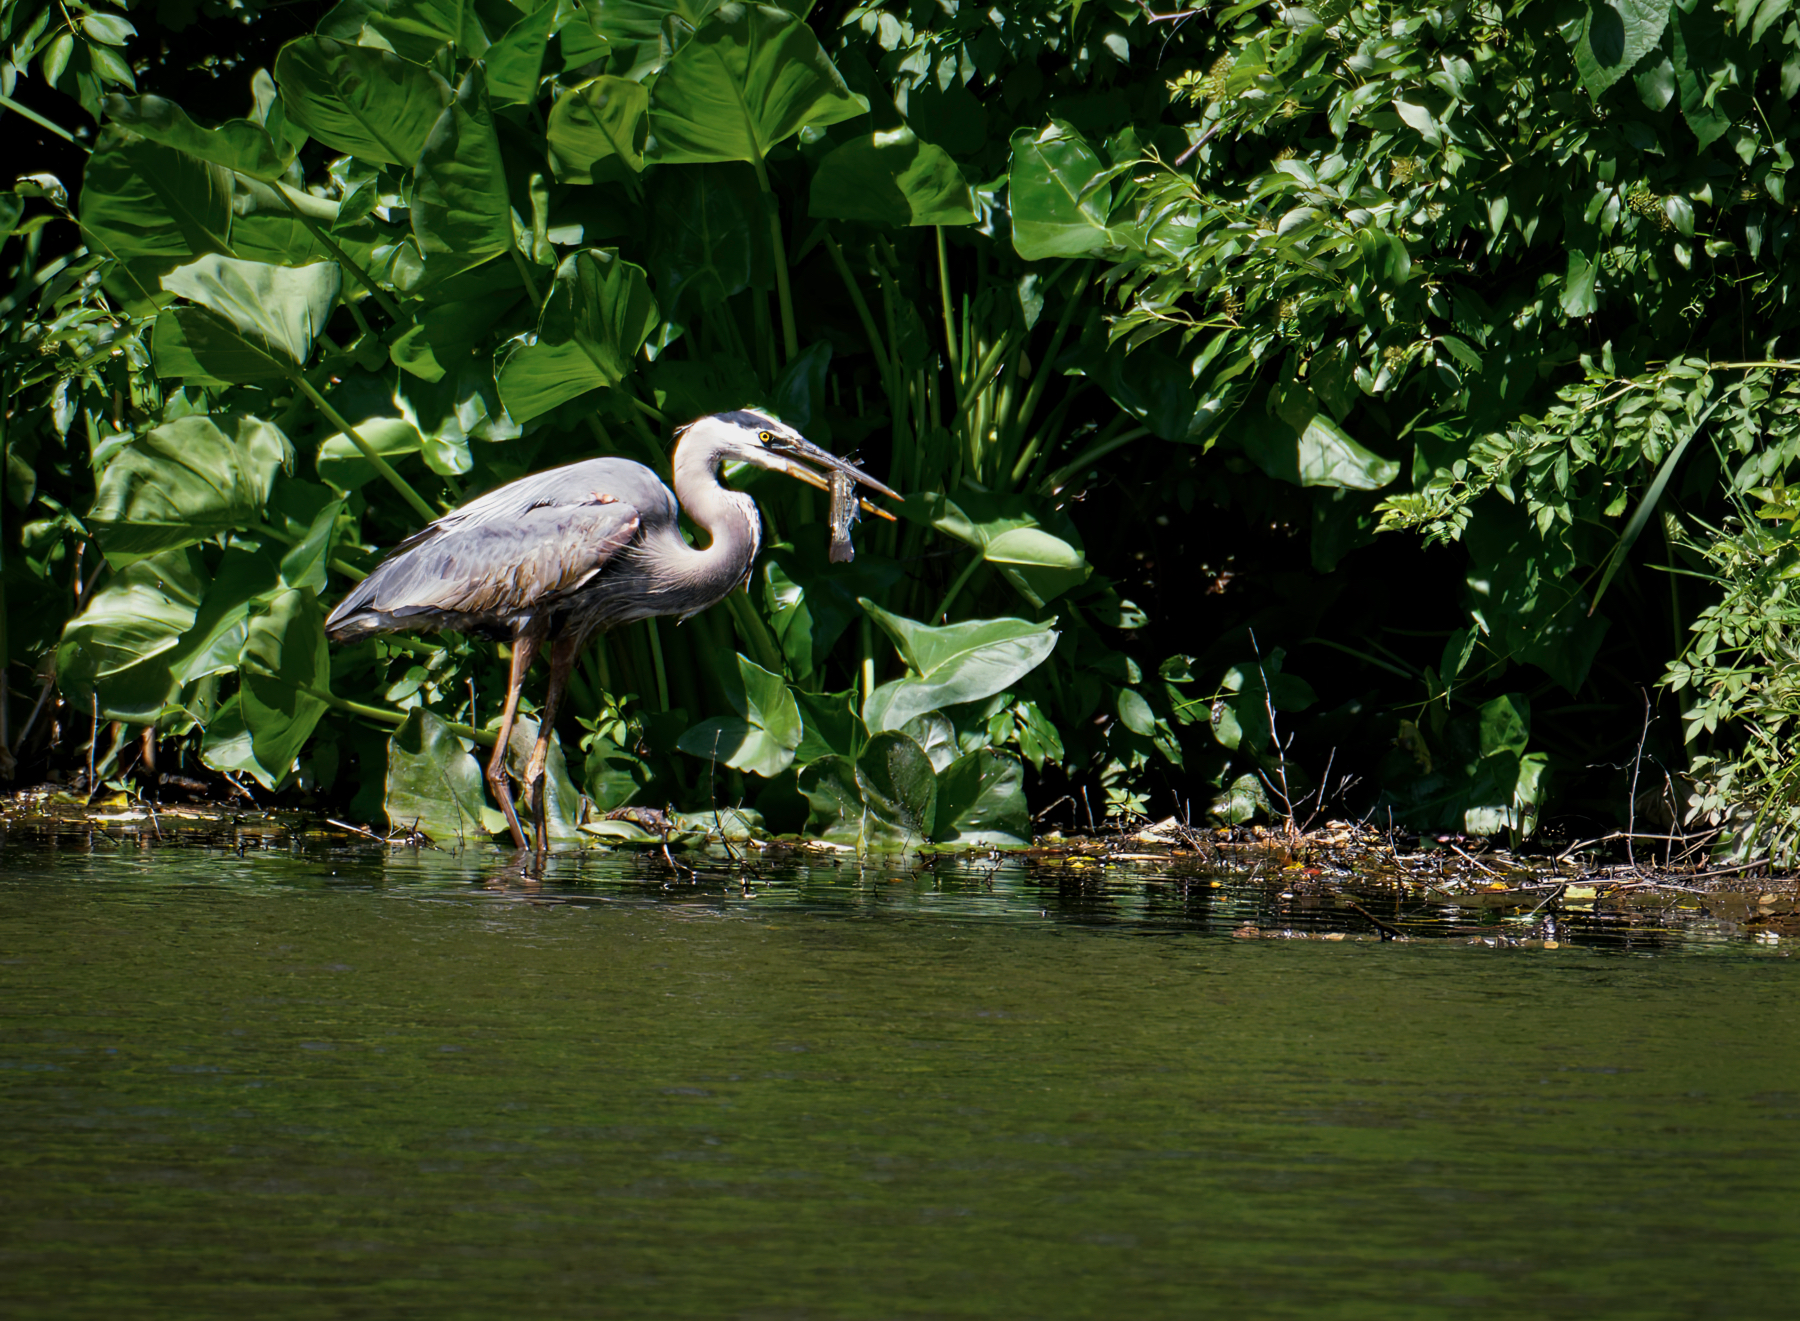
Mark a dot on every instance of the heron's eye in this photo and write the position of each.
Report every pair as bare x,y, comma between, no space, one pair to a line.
765,438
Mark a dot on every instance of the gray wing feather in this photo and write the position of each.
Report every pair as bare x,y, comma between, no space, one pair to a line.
518,550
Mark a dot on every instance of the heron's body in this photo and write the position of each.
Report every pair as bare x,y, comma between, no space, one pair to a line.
563,554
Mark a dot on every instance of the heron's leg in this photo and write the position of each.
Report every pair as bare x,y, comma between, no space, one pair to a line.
524,651
562,660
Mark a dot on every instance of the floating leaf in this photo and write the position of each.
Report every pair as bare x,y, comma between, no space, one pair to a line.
434,785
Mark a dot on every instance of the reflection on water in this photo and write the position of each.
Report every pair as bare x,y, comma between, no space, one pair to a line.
309,1082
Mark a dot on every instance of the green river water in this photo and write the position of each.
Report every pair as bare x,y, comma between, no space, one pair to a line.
354,1084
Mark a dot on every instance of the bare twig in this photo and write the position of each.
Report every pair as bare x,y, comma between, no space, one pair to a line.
1475,861
1636,765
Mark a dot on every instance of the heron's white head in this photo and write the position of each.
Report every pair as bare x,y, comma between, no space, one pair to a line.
754,437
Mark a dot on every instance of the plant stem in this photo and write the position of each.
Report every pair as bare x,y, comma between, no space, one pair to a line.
861,305
381,465
968,571
950,347
41,122
1098,450
656,663
790,340
867,640
382,715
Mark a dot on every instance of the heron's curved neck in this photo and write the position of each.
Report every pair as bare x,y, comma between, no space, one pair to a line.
728,517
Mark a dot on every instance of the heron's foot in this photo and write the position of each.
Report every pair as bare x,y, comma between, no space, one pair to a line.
538,791
502,792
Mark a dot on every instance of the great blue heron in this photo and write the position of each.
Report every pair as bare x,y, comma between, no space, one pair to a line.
563,554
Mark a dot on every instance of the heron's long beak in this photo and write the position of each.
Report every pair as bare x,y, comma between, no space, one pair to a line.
804,449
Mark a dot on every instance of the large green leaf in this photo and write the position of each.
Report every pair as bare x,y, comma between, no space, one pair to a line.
184,482
418,28
515,62
214,642
435,786
899,790
703,253
1061,195
238,144
764,734
279,310
598,315
957,663
752,76
153,207
886,798
1035,546
1318,453
642,34
891,178
981,800
460,206
114,656
1616,35
359,100
1041,565
596,130
285,664
191,344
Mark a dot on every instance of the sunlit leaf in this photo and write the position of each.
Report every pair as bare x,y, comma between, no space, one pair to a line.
184,482
360,100
435,785
115,654
956,663
598,315
596,130
460,205
750,77
891,178
237,144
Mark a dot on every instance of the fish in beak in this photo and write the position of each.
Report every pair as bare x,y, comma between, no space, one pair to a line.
793,449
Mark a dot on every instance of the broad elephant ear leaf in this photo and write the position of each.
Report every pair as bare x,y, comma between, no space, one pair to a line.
278,310
1061,195
365,102
434,785
284,669
461,212
891,178
750,77
185,482
237,144
981,800
596,131
957,663
114,657
598,315
764,734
